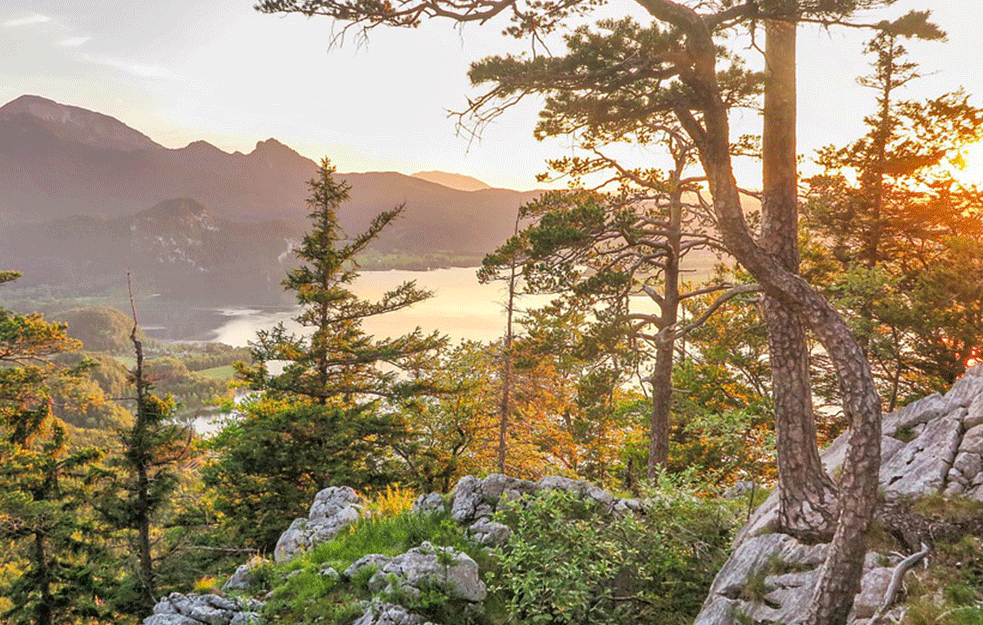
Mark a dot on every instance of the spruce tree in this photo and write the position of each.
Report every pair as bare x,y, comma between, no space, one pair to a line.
333,415
336,361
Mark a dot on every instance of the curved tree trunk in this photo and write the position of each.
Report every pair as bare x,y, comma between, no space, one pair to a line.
840,577
806,493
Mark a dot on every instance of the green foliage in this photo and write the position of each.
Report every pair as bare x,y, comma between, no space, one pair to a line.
100,329
893,239
337,361
269,465
308,595
44,486
570,561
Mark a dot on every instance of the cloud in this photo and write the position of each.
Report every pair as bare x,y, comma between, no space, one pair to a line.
136,69
73,42
36,18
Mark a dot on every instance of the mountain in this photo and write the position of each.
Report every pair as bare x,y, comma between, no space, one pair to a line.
453,181
57,161
177,248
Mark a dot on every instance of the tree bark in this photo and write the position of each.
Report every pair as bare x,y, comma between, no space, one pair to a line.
669,307
806,493
840,577
505,407
44,611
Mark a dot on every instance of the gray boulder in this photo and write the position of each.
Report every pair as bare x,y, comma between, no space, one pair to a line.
922,465
374,561
489,533
431,502
428,566
388,614
178,609
333,509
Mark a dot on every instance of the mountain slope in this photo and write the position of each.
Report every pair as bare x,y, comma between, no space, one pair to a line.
57,161
454,181
177,248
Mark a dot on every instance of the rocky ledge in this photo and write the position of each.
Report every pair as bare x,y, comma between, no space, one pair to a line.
472,504
933,446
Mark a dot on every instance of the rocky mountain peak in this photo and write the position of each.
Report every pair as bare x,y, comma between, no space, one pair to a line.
79,125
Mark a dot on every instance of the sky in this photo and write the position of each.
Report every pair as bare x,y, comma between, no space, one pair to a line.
184,70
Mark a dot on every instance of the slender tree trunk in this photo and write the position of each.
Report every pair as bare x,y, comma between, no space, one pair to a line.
43,612
505,407
661,409
665,350
138,450
806,493
840,576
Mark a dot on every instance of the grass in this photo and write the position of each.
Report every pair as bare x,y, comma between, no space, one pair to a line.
127,361
306,595
225,373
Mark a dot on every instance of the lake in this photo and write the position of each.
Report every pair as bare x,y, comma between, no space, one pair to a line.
461,308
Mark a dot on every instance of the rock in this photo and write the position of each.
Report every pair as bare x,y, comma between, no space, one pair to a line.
872,588
968,463
954,488
584,489
976,493
333,508
974,413
955,477
374,560
489,533
476,498
752,556
790,595
625,506
964,391
388,614
718,610
329,572
916,412
740,489
921,466
178,609
432,502
427,566
243,575
973,441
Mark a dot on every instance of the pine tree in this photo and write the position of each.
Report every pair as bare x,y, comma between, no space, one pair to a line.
44,486
333,415
338,362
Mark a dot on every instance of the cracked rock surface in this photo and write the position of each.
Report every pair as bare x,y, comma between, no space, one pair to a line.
931,446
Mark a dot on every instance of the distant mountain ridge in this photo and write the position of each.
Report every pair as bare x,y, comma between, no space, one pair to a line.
58,160
453,181
68,170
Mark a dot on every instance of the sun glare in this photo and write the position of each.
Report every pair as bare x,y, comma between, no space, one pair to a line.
972,170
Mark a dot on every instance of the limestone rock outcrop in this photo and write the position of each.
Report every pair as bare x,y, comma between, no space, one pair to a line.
333,508
931,446
178,609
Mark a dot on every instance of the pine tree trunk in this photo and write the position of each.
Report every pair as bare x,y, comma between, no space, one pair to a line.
665,351
661,409
43,611
807,495
840,577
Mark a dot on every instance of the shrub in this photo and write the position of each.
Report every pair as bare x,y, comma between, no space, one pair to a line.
571,561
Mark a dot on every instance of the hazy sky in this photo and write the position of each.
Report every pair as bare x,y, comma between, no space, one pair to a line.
181,70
